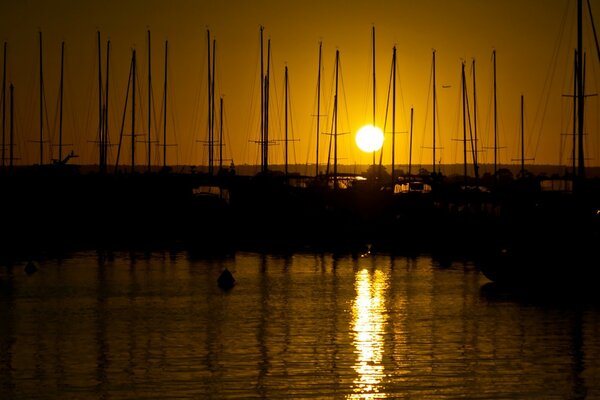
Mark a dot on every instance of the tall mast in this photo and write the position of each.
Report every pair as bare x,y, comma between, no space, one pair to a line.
393,113
374,91
267,85
101,146
495,120
522,139
410,143
165,116
318,110
434,105
133,113
212,107
335,117
464,104
286,120
580,90
104,141
262,101
149,100
60,118
575,81
221,134
475,163
4,110
12,137
41,105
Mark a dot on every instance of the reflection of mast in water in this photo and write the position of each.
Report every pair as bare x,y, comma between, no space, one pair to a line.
369,320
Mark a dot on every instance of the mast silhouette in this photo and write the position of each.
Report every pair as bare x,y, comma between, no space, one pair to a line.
318,110
149,101
393,114
104,141
464,107
410,143
580,91
12,122
165,116
474,142
434,110
60,118
374,87
221,134
4,110
522,139
286,120
41,103
495,120
335,118
133,66
100,108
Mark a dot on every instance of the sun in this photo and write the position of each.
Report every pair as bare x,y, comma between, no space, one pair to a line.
369,138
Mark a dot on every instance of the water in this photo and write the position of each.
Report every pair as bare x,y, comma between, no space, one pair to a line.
148,326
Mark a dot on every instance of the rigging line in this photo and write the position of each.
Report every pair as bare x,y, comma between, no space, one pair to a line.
426,117
124,116
385,119
291,124
593,28
548,82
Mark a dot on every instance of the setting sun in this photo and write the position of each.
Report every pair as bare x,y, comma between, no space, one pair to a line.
369,138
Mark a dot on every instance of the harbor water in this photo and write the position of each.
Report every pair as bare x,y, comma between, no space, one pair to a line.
157,326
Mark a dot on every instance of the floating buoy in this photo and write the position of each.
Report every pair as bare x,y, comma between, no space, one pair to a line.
226,280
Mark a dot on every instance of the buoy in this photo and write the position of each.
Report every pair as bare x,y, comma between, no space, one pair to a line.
226,280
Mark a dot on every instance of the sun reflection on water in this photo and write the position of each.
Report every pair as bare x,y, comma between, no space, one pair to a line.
368,323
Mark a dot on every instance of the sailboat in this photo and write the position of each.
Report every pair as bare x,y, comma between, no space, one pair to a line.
548,240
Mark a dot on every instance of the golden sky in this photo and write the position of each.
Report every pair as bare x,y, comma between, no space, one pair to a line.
534,41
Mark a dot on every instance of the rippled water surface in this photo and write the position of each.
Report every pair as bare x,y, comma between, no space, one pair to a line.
156,325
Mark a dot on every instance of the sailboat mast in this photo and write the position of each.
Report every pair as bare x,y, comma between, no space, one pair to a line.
318,110
262,101
133,113
41,104
60,118
12,123
101,146
165,116
210,104
434,105
410,143
267,85
475,161
212,108
286,120
335,116
4,109
464,107
393,114
574,157
149,100
221,134
522,139
374,91
104,141
580,90
495,120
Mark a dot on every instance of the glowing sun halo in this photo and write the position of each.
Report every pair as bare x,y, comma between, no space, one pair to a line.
369,138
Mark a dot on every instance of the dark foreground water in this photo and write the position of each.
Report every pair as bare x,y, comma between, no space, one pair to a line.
153,326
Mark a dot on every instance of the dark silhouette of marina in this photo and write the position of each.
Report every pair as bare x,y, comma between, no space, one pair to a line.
518,231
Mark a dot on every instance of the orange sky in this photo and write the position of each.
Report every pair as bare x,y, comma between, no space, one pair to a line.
534,59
